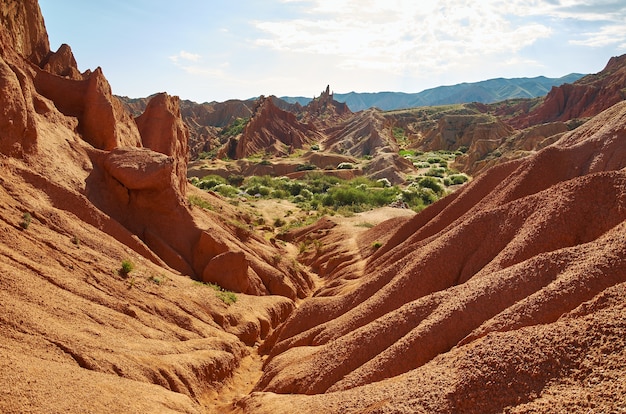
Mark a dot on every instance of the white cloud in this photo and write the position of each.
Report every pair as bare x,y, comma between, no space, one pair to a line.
605,36
397,36
185,56
409,39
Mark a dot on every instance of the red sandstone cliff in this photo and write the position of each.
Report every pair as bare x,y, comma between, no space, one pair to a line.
584,98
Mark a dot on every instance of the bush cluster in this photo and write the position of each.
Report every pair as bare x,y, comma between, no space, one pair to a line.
316,191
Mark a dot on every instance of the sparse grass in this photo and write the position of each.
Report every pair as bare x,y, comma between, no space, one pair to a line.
222,294
26,219
197,201
277,258
158,280
126,267
365,224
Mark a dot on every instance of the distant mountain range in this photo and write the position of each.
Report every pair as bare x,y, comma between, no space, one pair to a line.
488,91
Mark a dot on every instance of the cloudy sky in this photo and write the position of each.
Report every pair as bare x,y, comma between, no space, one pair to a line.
214,50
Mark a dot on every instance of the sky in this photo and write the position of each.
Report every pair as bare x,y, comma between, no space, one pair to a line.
215,50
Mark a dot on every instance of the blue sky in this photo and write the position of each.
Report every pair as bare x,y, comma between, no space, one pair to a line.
214,50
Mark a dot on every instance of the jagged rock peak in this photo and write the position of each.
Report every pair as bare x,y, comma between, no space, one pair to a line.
325,103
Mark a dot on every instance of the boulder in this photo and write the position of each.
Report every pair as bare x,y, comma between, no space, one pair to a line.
229,270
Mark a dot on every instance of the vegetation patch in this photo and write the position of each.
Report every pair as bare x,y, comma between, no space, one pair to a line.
126,267
222,294
236,127
194,200
26,219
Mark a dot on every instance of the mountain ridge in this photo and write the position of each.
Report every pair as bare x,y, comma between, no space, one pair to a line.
487,91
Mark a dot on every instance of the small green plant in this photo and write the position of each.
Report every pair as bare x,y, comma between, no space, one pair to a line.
319,246
222,294
377,245
303,246
345,166
158,280
26,219
197,201
226,296
127,267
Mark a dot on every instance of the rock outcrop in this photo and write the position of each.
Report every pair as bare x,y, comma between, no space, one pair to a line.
324,109
584,98
24,31
273,131
162,130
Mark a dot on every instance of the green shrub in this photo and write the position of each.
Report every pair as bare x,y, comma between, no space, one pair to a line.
208,155
457,179
377,245
236,127
398,133
432,183
279,194
209,182
258,189
226,190
436,172
278,222
235,179
306,167
26,219
127,267
315,147
345,166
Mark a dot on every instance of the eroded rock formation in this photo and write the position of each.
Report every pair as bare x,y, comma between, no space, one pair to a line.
273,131
523,255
